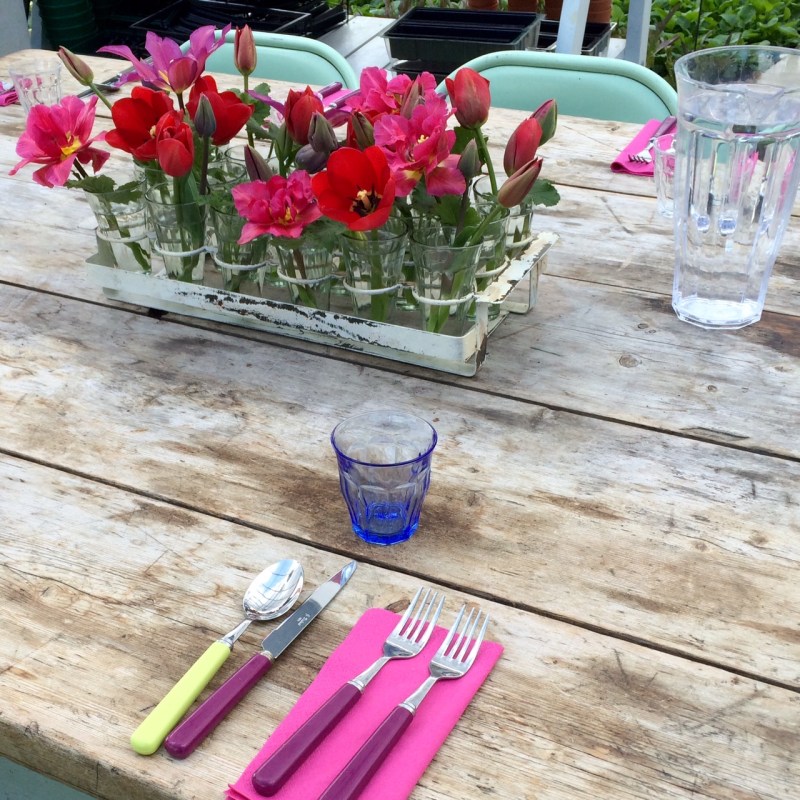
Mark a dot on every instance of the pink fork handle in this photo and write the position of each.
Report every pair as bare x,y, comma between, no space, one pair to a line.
281,765
352,780
183,741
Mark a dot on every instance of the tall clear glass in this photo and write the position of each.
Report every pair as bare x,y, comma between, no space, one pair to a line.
736,176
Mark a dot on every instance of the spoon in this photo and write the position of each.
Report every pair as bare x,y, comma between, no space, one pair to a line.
271,594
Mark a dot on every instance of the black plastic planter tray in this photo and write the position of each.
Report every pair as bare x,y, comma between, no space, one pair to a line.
595,39
179,19
453,36
415,68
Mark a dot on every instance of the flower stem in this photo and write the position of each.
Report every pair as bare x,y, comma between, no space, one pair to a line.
483,151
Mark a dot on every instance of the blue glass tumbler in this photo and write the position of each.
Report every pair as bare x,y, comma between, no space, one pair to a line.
384,472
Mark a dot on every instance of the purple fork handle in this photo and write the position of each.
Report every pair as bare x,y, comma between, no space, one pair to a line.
183,741
352,780
282,764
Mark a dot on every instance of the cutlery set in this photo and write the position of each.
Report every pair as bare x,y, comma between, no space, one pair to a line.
645,155
452,660
276,585
271,594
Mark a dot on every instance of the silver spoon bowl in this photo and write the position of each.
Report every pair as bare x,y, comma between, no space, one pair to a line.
271,594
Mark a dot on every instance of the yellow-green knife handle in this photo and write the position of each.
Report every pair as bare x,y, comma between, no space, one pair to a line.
147,738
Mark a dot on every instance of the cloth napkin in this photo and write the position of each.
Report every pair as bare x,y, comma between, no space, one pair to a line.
623,164
8,96
436,717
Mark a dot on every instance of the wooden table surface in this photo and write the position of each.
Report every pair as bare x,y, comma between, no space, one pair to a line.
620,490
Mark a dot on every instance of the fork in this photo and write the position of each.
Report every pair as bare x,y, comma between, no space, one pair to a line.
452,660
645,156
407,640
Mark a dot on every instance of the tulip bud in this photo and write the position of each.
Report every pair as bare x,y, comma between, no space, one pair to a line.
76,67
412,99
517,187
244,50
469,93
311,160
205,122
256,165
547,116
522,145
320,134
469,163
363,132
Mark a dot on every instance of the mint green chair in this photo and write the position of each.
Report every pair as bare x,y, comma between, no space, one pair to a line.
283,57
583,86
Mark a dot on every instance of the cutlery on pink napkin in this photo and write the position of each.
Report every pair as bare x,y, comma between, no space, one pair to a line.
404,767
623,164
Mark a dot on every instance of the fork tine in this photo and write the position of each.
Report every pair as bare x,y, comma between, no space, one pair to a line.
417,621
467,637
443,647
424,633
460,638
478,641
400,625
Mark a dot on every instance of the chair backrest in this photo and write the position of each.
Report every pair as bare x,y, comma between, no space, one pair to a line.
583,86
283,57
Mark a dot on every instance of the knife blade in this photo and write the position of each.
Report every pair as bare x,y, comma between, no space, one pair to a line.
193,730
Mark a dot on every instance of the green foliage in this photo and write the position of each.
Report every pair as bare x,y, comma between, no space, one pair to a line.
677,28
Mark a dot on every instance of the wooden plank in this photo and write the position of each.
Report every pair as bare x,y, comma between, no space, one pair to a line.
610,352
616,527
108,596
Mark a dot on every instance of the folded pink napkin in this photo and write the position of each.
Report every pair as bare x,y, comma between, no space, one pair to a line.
623,164
435,719
8,97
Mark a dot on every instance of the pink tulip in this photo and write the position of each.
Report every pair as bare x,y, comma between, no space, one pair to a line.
172,69
57,136
76,66
522,146
421,147
469,93
280,206
244,50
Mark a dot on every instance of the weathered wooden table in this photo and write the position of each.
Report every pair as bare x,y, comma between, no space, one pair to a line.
619,489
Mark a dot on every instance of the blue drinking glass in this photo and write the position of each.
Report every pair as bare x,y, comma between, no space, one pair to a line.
384,471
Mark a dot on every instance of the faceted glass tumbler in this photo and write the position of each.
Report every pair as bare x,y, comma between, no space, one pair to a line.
384,472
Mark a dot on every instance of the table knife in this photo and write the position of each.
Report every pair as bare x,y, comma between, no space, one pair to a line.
193,730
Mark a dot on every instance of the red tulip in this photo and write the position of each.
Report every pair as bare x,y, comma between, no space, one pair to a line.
547,116
135,119
517,187
357,188
230,113
174,145
299,108
244,50
469,93
522,146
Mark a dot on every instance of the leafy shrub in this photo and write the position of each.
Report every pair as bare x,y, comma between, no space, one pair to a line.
681,27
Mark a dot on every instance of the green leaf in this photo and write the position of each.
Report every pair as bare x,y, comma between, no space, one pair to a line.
544,193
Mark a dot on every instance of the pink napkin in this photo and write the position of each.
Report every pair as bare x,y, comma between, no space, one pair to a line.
410,757
8,97
623,164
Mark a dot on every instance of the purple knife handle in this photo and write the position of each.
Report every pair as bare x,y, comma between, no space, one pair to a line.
667,124
352,780
282,764
191,732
